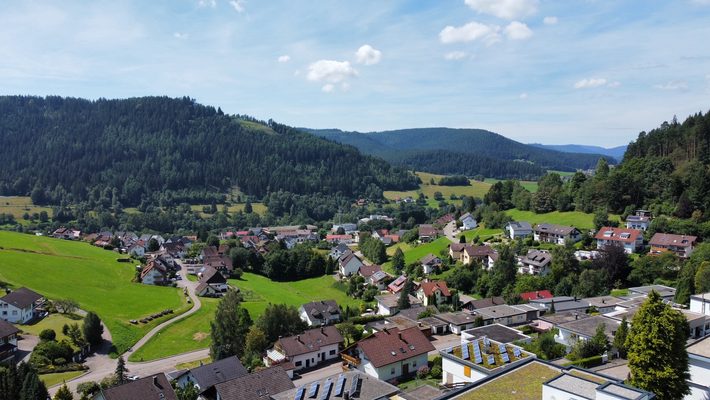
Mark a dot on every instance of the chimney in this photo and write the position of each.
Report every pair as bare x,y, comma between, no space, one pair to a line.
400,335
298,337
346,395
576,316
575,298
537,294
321,329
155,380
385,331
603,301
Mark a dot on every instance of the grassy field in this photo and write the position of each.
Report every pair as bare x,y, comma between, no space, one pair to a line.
54,379
525,381
193,364
18,206
477,189
60,269
578,219
480,232
259,291
529,185
256,207
412,254
187,334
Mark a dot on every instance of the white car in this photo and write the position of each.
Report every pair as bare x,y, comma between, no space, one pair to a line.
133,378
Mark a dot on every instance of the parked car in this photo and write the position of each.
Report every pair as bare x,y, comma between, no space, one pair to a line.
133,378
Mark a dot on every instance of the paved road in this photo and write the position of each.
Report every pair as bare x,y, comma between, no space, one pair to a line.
450,231
100,365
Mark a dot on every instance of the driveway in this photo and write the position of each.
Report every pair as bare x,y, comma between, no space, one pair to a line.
450,231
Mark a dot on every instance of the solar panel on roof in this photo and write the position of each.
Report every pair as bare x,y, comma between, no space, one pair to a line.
491,360
314,389
465,354
449,350
486,342
353,387
478,358
326,390
517,352
505,357
501,348
299,392
339,387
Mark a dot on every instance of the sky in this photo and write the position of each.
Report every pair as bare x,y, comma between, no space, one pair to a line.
552,72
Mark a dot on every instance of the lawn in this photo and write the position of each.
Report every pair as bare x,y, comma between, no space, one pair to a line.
477,189
619,293
570,218
259,291
187,334
412,254
193,364
18,206
529,185
60,269
525,383
480,232
54,379
54,322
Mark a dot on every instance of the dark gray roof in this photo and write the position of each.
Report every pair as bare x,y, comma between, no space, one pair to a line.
459,318
497,332
483,303
588,326
369,388
423,392
413,313
21,298
144,389
562,317
502,311
7,329
310,341
222,370
520,225
257,385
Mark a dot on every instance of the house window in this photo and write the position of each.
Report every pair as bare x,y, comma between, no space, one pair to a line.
414,364
298,363
4,313
332,352
14,312
392,371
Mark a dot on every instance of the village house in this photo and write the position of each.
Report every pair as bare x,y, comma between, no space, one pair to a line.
308,349
66,234
638,222
539,294
481,254
428,233
630,239
502,314
136,249
458,321
682,245
455,250
212,282
495,332
584,329
603,304
323,312
349,264
206,376
429,262
556,234
468,222
19,306
262,384
151,387
374,275
397,284
536,262
154,274
387,304
520,229
8,341
348,384
474,304
390,354
437,292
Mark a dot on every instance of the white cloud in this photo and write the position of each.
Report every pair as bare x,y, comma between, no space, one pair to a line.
328,88
614,84
284,58
330,71
517,30
179,36
455,55
590,83
524,96
469,32
550,20
211,3
508,9
367,55
672,85
237,5
344,86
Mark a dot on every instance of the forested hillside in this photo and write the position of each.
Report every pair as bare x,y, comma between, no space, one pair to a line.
163,151
476,142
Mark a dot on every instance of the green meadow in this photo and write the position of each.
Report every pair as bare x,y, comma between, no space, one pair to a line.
60,269
570,218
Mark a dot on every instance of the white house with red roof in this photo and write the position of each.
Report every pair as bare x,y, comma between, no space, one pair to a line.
154,274
433,290
630,239
390,353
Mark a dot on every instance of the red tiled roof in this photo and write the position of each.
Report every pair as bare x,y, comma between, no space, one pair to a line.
153,266
388,346
542,294
430,287
615,234
667,239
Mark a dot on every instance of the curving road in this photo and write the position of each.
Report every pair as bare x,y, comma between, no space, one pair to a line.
101,365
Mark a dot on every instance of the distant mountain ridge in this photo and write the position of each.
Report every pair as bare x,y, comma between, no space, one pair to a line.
422,147
616,152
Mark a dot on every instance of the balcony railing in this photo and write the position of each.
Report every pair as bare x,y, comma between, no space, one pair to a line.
350,359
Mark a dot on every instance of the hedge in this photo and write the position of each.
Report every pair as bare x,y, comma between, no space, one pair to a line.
366,319
587,362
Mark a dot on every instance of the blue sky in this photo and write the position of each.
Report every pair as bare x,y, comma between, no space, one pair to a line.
553,72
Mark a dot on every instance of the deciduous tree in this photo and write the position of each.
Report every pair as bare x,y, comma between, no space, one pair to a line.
229,327
92,328
280,320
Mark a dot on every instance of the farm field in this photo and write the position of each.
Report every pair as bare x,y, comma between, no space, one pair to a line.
60,269
18,206
187,334
259,291
578,219
477,189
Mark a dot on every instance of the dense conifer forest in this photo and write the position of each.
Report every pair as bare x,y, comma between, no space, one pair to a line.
163,151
